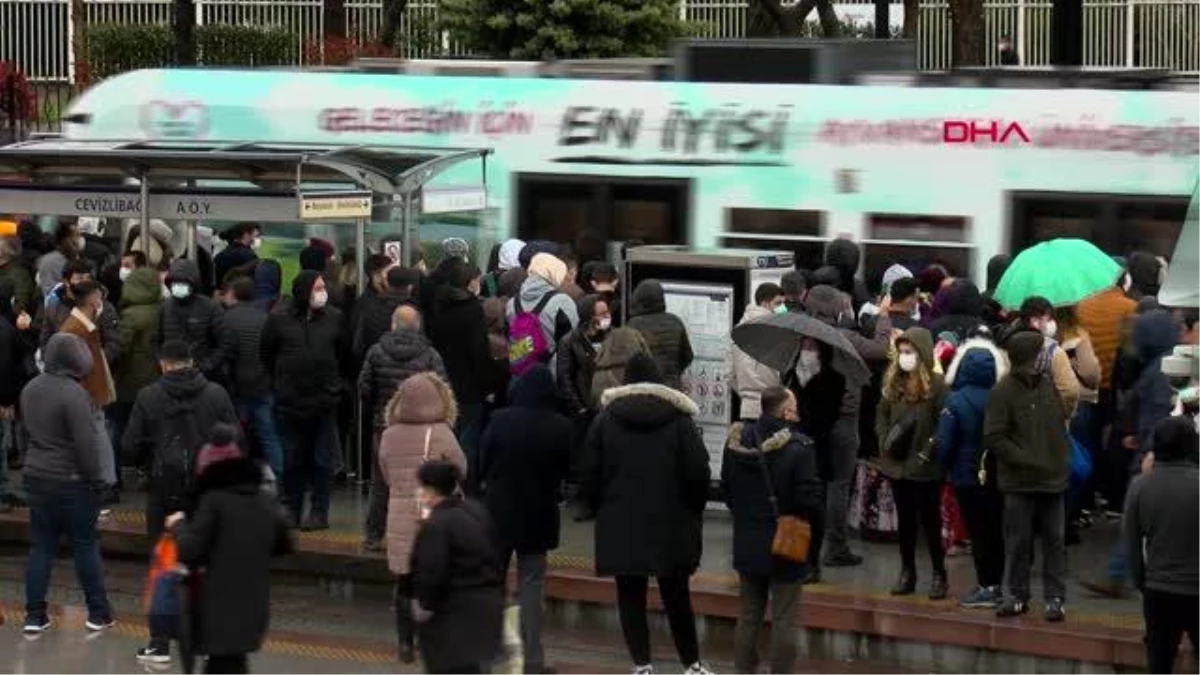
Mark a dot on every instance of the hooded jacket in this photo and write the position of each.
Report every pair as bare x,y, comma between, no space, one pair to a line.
665,334
963,307
749,377
1144,271
845,255
420,420
458,329
176,393
993,313
919,463
302,348
1025,424
14,272
791,464
141,296
1155,335
373,318
645,470
524,457
268,284
233,256
57,413
397,356
977,366
195,320
558,318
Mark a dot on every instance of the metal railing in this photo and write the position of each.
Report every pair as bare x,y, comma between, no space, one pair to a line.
36,34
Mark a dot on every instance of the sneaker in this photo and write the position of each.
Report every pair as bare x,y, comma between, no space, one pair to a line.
983,597
154,655
843,559
1012,607
98,624
1056,610
698,668
643,670
36,625
939,588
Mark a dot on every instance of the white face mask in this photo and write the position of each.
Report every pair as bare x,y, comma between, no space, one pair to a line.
1126,282
604,323
318,300
908,361
124,273
808,367
180,291
1050,328
256,243
166,292
80,243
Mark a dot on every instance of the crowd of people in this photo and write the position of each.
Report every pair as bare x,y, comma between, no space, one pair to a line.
491,396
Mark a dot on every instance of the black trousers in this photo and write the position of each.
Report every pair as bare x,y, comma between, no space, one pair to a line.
677,601
817,542
406,625
983,512
1168,616
227,663
919,506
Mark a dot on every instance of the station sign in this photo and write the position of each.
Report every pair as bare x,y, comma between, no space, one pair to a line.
455,199
126,202
335,205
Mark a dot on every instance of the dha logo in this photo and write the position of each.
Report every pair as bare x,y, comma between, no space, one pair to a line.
993,132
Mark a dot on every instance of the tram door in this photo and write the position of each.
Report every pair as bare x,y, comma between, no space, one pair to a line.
589,212
1117,224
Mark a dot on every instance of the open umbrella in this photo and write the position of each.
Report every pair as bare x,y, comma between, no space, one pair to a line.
775,343
1064,271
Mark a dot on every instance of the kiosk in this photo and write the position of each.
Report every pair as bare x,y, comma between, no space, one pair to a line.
708,289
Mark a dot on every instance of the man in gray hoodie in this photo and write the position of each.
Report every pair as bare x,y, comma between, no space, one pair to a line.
1160,532
63,477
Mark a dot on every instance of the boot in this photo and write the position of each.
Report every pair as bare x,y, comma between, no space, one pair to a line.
906,584
315,522
940,587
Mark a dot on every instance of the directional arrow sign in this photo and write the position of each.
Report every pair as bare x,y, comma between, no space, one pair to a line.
335,205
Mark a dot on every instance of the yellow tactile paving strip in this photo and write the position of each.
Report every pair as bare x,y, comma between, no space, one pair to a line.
296,645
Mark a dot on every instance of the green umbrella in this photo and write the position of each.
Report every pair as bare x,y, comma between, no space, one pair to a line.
1064,271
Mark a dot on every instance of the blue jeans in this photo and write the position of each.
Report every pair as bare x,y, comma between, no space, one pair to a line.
257,412
58,508
311,443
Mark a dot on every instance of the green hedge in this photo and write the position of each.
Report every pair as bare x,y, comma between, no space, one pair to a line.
117,48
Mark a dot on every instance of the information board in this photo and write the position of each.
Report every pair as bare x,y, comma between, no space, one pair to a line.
707,312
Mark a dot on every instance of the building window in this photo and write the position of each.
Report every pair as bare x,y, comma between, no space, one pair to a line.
916,242
778,222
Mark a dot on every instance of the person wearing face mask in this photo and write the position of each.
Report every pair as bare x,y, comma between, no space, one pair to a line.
576,366
140,305
1037,314
99,381
302,348
604,281
60,301
113,277
194,319
905,424
749,377
770,470
1024,427
242,240
819,388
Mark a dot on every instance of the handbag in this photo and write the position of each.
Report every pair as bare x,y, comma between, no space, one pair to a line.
1081,464
898,440
792,534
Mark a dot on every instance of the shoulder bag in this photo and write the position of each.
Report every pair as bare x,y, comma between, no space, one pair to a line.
792,534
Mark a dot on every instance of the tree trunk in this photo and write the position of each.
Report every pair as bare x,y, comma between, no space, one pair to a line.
393,16
912,19
772,19
967,24
185,32
78,41
830,26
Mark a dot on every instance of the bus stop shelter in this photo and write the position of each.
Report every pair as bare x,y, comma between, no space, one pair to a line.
278,183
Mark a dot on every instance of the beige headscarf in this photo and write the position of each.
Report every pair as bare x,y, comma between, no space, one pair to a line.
549,268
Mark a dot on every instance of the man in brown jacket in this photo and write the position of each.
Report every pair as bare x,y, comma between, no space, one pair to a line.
82,322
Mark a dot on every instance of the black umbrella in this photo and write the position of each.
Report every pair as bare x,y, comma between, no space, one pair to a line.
775,343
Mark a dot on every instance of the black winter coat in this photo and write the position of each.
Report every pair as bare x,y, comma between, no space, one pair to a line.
16,363
645,471
397,356
576,364
665,334
241,349
196,321
373,319
235,255
524,456
232,535
182,389
303,348
458,575
459,332
791,462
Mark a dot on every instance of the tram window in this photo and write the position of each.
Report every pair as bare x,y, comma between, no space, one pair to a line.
918,227
878,257
808,254
611,208
792,222
1150,226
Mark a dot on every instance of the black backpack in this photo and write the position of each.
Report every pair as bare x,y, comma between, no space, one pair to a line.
173,469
